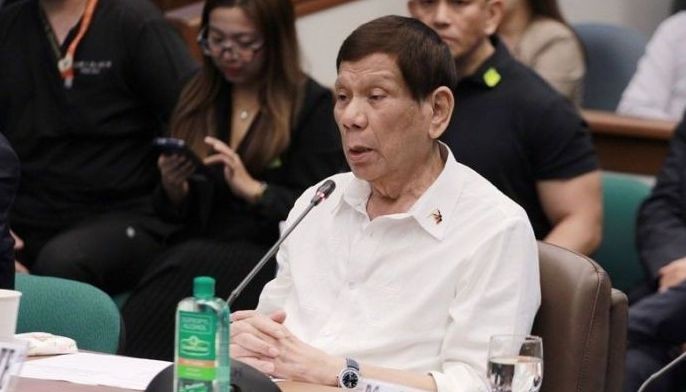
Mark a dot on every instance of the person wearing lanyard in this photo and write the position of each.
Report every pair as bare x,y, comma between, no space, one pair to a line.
85,85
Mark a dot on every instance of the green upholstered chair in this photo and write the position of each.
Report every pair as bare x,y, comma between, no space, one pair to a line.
617,254
69,308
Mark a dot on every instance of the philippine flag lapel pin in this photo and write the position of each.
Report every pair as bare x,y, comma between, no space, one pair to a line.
436,214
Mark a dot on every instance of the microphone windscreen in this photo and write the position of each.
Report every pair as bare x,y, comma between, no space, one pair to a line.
323,191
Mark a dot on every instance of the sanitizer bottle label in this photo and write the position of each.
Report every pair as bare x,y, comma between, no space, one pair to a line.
196,367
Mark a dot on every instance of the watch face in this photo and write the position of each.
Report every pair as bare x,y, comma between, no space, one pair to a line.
350,379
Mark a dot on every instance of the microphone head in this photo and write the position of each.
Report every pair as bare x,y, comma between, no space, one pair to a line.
323,192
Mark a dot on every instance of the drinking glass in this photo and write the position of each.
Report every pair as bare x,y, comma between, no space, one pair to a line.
515,363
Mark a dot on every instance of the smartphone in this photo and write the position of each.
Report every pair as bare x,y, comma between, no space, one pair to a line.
170,145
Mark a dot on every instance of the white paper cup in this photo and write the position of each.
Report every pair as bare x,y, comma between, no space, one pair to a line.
9,309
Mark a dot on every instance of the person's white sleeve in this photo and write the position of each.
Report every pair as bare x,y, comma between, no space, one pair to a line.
502,297
649,91
276,291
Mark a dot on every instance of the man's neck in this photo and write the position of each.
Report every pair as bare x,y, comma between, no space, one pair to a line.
514,25
398,195
63,15
69,7
468,63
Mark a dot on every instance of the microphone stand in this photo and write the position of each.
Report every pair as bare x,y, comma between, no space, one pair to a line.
322,193
661,371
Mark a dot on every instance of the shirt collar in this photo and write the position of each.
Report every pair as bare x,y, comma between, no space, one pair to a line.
490,72
434,209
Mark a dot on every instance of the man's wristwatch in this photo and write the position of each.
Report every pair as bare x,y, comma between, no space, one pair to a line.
349,377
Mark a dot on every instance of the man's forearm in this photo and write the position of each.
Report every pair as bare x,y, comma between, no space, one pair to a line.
577,233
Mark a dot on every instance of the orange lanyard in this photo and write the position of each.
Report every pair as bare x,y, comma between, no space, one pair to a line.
66,63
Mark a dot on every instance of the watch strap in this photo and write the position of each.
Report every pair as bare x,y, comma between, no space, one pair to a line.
352,364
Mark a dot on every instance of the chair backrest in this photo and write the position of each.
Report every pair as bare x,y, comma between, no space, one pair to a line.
612,53
577,323
617,350
69,308
617,254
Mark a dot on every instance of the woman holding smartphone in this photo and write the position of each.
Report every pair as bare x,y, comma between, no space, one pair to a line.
266,131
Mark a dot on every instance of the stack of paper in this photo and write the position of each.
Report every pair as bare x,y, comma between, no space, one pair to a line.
95,369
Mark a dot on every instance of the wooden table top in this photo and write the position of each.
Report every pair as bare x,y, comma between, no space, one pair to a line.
35,385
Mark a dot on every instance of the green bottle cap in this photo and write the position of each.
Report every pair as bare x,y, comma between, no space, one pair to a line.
203,287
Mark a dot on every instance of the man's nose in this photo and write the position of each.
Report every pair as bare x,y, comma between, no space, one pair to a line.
353,116
441,14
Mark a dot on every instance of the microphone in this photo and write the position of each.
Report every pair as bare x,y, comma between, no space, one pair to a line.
662,371
320,194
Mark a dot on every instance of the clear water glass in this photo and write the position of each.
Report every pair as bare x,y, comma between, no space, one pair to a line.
515,363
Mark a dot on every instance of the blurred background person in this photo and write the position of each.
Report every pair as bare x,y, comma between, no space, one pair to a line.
266,132
657,323
9,179
511,127
85,85
539,37
658,89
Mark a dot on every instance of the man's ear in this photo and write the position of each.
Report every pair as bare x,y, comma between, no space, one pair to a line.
442,104
495,9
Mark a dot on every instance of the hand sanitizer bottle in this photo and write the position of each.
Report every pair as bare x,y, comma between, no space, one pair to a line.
201,346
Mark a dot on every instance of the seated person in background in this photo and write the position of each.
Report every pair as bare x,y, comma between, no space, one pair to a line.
266,132
85,85
657,323
658,89
415,260
9,177
539,37
515,130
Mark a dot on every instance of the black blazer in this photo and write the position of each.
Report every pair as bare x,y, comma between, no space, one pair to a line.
661,229
9,178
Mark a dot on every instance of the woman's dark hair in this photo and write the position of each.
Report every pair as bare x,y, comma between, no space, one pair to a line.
548,8
279,86
425,62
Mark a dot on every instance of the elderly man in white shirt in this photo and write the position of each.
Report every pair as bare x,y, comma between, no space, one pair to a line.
658,89
402,275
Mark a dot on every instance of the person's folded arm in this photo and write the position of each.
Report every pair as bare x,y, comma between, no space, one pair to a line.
575,209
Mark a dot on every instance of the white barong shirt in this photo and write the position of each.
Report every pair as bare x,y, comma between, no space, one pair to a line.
422,290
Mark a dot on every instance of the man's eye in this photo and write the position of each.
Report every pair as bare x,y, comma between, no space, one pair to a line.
376,97
341,97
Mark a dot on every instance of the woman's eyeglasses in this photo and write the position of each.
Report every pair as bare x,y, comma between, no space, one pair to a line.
237,46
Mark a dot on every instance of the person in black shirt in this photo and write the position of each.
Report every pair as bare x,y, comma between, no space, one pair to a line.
85,85
511,127
9,177
266,132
